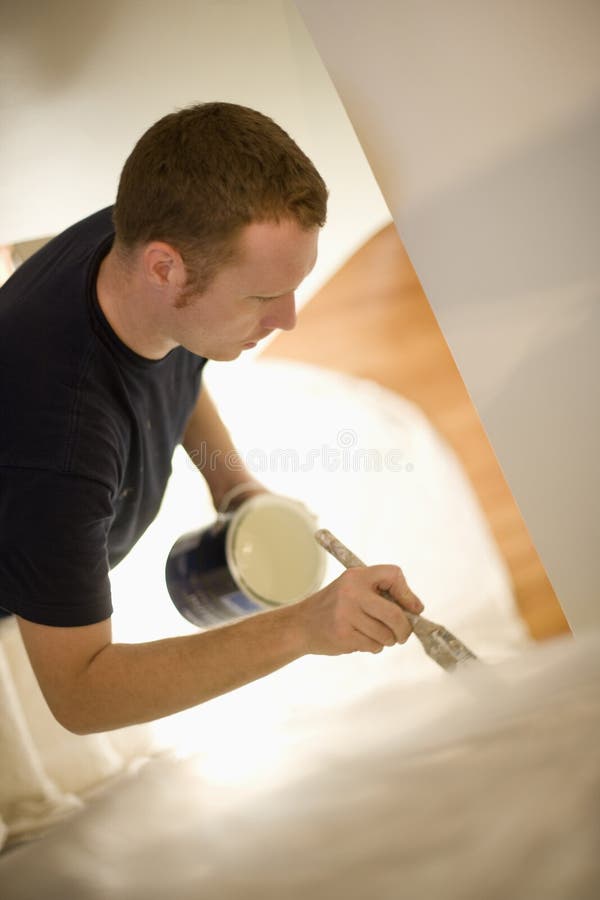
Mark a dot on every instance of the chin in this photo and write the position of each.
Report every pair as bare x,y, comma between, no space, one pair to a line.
223,355
219,354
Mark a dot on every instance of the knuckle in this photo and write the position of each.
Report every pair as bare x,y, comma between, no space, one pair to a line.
388,637
398,624
401,624
392,617
394,572
404,635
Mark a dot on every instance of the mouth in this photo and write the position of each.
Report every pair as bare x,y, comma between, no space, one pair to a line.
254,343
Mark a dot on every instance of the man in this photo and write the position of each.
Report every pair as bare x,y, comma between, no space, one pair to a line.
103,337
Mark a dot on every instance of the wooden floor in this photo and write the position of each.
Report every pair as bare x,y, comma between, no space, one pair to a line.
373,320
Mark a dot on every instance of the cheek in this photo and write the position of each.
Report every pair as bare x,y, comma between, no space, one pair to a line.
234,320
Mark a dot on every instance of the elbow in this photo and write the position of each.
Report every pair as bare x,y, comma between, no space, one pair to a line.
70,721
76,706
78,726
74,716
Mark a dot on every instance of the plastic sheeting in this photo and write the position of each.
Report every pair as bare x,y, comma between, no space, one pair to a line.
484,784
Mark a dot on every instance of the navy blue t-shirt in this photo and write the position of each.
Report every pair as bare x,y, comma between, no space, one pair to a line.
87,433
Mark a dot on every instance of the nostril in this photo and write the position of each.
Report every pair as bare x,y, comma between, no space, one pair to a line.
283,315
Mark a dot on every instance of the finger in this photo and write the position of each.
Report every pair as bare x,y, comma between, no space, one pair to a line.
392,580
375,629
388,614
365,644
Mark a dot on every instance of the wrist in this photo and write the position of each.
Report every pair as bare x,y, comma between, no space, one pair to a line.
294,632
230,495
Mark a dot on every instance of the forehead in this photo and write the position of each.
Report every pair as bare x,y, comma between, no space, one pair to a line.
277,254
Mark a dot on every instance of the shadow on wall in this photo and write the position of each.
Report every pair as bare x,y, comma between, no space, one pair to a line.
44,45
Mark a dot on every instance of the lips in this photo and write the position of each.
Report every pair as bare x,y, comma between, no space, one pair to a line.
256,340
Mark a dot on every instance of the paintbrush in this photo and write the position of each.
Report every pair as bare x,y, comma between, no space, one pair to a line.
439,643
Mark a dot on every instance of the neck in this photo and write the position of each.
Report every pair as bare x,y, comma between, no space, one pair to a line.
131,311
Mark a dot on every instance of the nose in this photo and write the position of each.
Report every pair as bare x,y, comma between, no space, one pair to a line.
282,313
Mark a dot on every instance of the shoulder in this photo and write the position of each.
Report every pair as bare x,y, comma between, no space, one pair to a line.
46,297
62,257
50,358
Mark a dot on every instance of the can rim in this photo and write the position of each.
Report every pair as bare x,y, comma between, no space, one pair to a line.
236,518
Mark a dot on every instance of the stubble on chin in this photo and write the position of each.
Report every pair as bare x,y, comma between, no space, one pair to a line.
223,355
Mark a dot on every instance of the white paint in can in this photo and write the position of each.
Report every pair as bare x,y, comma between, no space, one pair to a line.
271,550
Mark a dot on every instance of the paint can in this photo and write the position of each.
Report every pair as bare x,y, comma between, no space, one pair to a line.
258,557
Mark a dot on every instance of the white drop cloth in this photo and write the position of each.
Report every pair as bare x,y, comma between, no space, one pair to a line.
485,784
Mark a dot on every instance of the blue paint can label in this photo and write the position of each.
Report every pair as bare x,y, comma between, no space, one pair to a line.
261,556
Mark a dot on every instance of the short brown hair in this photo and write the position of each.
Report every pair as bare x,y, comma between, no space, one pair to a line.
199,175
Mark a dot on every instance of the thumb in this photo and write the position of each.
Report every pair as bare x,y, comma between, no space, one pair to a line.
391,579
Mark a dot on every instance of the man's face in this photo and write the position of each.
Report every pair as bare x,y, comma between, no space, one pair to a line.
252,296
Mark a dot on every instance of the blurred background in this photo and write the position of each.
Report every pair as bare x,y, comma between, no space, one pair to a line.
80,84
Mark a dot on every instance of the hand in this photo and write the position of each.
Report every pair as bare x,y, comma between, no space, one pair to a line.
350,614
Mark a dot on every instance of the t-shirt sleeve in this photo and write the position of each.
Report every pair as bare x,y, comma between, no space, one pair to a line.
53,547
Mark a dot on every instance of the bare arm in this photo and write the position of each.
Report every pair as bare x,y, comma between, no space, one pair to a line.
209,445
91,684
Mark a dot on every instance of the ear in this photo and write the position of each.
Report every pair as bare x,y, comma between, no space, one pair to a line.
163,265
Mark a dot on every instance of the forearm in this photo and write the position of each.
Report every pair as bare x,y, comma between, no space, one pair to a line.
91,684
126,684
209,445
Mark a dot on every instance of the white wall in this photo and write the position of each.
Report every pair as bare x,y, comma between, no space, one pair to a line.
80,81
482,124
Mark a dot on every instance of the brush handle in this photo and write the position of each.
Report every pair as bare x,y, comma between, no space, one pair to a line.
348,559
